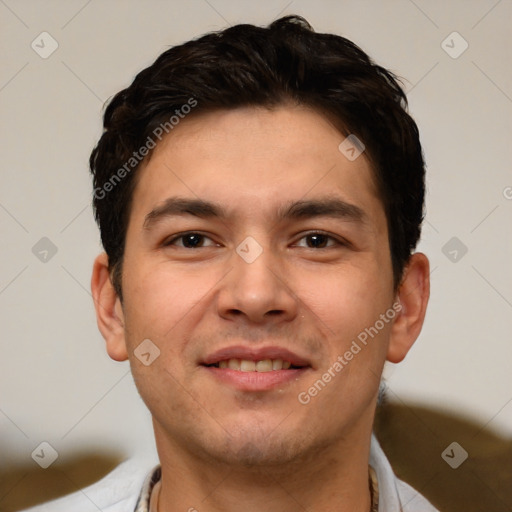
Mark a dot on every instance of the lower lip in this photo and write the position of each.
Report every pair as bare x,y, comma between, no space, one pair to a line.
255,381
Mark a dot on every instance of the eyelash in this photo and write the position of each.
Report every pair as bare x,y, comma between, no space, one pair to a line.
181,236
171,241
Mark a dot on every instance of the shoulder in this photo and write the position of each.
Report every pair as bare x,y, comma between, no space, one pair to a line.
117,492
394,494
411,500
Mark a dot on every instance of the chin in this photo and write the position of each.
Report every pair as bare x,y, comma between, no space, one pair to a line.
257,453
262,448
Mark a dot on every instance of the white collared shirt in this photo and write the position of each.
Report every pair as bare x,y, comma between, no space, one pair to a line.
128,489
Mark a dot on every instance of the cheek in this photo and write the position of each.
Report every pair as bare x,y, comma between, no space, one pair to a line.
162,300
346,300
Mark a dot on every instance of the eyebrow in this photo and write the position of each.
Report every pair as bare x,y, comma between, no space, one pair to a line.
326,207
180,206
323,207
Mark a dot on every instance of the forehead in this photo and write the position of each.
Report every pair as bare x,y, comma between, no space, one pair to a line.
253,161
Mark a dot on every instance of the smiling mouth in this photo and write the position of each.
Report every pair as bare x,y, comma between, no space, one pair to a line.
246,365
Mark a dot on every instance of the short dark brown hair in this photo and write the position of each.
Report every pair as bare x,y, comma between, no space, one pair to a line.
246,65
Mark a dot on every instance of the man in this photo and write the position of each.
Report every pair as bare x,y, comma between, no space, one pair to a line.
259,193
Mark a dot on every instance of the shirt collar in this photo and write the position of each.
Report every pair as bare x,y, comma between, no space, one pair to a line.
143,503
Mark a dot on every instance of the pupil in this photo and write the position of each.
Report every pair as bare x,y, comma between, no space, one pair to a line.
192,240
317,240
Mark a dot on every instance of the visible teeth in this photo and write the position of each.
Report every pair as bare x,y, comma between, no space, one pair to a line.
277,364
234,364
264,366
247,366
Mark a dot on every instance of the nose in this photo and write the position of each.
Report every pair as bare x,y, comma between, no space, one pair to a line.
257,291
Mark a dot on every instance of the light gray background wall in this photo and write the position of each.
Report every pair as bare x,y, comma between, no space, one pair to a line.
57,383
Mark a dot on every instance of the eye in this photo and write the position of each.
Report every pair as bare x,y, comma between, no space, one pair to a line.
318,240
190,240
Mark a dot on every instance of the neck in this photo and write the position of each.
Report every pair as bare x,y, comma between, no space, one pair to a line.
333,478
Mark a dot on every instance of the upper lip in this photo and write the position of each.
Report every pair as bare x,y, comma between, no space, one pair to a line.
255,354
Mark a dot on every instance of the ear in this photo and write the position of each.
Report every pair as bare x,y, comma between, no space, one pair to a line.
412,296
109,312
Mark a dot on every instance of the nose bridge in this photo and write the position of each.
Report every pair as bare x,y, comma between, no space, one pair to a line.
255,287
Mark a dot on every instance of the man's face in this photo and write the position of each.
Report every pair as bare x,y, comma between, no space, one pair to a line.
291,264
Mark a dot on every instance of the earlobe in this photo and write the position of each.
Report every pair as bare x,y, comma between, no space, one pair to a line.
413,296
109,312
